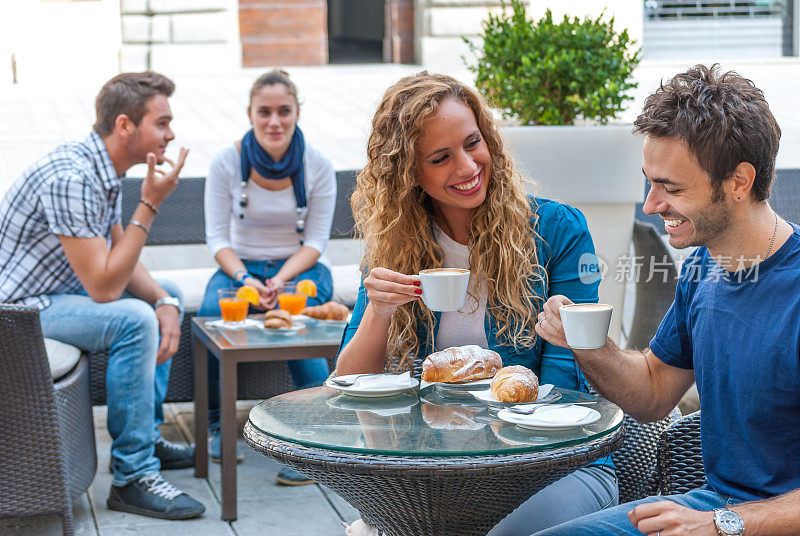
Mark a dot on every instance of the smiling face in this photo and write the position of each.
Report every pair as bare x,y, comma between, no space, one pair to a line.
153,133
273,112
453,161
694,213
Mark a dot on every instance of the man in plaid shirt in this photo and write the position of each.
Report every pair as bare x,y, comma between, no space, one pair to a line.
64,251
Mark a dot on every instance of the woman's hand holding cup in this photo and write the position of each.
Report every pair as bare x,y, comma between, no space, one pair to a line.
387,290
548,323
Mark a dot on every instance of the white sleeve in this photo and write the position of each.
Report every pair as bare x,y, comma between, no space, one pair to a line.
321,203
218,200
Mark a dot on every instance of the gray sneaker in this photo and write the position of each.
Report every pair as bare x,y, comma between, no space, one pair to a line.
153,496
174,455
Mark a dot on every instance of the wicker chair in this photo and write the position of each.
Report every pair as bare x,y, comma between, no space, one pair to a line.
680,459
653,297
46,429
636,459
785,198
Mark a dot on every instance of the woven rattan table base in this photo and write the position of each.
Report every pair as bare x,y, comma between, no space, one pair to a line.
433,496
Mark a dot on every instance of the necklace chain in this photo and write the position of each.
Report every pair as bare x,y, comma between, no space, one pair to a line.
774,232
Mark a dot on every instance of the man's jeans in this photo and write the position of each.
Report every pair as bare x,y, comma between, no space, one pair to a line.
135,386
614,521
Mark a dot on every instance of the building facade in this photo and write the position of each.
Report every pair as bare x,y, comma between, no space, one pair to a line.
95,39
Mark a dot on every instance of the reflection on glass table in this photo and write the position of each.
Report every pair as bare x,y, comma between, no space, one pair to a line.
457,468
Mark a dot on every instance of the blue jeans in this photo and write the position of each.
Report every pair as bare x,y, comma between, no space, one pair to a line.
135,386
614,521
305,372
585,491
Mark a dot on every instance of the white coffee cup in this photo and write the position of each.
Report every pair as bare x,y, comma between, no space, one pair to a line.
444,289
586,324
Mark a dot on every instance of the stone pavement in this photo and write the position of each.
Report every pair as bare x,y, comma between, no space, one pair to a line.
338,102
264,508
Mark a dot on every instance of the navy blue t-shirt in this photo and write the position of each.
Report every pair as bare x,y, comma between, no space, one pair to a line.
740,332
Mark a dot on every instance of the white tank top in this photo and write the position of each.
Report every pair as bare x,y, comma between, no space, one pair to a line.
458,328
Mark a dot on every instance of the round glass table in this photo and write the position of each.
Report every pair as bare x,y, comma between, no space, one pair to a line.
423,463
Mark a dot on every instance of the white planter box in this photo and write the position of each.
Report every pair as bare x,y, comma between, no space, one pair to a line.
596,169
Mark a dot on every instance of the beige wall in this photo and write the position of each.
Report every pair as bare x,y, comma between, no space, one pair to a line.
60,39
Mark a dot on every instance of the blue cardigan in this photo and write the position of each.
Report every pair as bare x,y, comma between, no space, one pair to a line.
562,240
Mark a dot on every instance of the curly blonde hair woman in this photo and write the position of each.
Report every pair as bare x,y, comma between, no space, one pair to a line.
402,238
439,190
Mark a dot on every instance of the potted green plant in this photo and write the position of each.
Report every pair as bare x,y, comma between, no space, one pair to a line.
546,77
553,73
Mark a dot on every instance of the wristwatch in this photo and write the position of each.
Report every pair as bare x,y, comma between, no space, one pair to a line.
728,522
169,300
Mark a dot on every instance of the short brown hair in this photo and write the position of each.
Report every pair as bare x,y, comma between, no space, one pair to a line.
275,76
128,94
722,118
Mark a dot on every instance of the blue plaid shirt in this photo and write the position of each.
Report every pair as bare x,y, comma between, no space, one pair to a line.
72,191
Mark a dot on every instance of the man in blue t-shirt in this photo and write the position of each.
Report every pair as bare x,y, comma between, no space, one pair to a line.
734,327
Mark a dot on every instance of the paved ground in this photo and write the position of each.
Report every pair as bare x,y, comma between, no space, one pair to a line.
264,507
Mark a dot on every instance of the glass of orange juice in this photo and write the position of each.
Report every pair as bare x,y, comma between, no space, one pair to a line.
290,300
232,308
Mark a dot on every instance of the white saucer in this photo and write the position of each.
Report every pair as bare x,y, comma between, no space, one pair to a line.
247,323
296,327
551,418
543,396
402,383
387,407
317,322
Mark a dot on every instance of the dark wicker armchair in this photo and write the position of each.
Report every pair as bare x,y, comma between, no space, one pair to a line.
46,428
636,459
680,460
655,285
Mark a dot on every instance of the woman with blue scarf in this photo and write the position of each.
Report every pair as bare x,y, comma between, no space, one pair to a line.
269,203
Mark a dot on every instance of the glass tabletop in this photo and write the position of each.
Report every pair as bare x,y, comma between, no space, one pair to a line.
416,423
312,333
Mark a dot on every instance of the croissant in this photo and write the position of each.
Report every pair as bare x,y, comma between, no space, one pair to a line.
277,318
515,384
460,364
327,311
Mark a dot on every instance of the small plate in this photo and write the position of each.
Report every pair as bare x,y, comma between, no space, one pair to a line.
517,437
373,392
321,323
247,323
545,418
296,327
385,407
546,395
462,387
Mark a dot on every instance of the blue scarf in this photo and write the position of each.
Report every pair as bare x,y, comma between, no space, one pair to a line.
291,165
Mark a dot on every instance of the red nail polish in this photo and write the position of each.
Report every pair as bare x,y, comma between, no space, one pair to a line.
417,283
418,291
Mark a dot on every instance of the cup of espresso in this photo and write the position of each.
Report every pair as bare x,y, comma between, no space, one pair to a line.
444,289
586,324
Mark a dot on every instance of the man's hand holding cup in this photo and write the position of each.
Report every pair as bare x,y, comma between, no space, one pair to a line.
579,326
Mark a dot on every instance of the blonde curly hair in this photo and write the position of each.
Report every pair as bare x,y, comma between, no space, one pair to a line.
393,217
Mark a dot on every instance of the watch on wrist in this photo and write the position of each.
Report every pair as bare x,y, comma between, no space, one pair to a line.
169,300
728,522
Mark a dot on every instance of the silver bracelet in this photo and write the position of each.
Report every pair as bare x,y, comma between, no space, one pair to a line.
149,205
140,226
